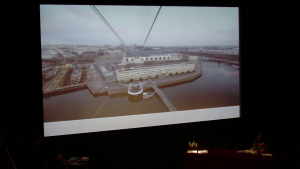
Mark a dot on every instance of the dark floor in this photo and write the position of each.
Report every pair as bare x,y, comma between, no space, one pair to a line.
143,156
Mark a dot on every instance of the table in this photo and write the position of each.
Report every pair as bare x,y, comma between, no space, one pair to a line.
85,165
226,158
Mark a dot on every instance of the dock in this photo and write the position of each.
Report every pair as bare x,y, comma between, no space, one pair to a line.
164,98
57,81
71,87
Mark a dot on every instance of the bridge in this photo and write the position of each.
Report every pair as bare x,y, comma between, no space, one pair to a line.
164,98
229,58
222,60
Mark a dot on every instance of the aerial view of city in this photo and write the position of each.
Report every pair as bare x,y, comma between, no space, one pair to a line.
89,71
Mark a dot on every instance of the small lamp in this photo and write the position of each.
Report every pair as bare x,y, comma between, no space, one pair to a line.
193,147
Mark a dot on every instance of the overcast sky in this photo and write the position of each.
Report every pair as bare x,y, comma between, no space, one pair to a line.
174,26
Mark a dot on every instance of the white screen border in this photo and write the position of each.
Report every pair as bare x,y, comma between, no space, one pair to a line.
138,121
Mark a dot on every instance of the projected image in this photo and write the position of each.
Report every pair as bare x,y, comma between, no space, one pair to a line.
112,61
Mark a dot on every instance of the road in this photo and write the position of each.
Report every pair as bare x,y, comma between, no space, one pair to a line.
100,76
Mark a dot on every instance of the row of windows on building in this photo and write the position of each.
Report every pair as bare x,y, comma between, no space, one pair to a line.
151,58
155,68
143,74
126,74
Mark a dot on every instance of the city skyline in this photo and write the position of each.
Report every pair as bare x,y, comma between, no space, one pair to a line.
174,26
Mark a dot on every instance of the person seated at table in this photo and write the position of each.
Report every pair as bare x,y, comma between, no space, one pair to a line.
57,160
259,146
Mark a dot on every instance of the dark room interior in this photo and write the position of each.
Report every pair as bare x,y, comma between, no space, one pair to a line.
266,102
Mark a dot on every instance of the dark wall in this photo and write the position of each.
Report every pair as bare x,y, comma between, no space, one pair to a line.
161,146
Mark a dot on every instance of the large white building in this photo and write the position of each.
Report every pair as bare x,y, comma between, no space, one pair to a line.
154,71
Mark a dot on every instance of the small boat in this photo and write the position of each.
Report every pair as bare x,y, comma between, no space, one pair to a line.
148,95
135,88
75,76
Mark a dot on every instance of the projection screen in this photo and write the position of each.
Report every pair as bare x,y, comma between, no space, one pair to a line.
120,67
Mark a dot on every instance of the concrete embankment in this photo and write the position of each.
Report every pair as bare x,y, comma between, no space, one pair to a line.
119,89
